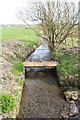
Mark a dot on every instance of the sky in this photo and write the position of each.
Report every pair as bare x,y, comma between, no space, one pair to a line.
8,10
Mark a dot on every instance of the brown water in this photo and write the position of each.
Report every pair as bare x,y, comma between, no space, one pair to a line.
41,96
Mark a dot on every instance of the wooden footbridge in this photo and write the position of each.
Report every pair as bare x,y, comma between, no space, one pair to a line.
46,64
33,64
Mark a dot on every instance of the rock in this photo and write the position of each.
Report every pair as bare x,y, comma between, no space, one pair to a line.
71,101
64,112
72,94
73,110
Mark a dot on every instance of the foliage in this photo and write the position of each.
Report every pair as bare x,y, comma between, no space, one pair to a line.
17,68
15,52
56,55
56,19
19,81
68,69
16,91
67,65
7,103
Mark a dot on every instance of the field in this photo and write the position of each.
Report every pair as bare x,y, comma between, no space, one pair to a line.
28,35
20,33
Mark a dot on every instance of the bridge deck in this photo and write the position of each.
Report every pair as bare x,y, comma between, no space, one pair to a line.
40,64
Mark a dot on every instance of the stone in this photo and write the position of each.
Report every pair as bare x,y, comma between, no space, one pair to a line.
73,110
64,112
71,101
71,95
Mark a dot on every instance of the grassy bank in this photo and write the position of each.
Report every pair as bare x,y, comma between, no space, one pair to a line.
14,43
68,68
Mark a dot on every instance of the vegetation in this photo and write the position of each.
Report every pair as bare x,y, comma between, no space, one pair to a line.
20,33
68,70
19,81
56,19
15,41
7,103
18,66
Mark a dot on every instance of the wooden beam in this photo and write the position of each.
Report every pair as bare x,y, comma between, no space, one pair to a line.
40,64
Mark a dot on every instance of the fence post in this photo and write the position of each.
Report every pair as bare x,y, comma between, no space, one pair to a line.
25,55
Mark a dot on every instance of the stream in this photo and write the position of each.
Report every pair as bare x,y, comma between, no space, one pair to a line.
41,97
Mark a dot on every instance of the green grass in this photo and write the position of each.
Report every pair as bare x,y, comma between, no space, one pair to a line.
20,33
19,81
17,68
67,65
7,103
67,68
69,43
16,91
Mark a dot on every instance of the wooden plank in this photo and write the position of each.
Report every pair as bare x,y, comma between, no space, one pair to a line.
40,64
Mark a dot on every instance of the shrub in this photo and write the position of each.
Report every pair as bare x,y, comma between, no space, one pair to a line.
7,103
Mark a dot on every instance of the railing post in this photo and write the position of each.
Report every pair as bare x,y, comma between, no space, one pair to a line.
25,55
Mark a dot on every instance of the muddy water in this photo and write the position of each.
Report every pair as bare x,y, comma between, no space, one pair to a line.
41,96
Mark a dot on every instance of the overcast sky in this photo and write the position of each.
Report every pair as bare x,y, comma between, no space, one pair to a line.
8,9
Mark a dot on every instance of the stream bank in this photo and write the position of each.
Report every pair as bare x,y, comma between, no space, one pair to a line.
41,97
12,77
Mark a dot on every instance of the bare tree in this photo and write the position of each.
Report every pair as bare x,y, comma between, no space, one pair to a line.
56,19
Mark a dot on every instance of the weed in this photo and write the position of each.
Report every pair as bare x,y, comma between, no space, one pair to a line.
16,91
7,103
19,81
17,68
16,54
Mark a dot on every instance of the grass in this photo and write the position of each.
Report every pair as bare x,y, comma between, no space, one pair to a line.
17,68
69,43
7,103
68,69
19,33
22,34
27,39
67,65
19,81
16,91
